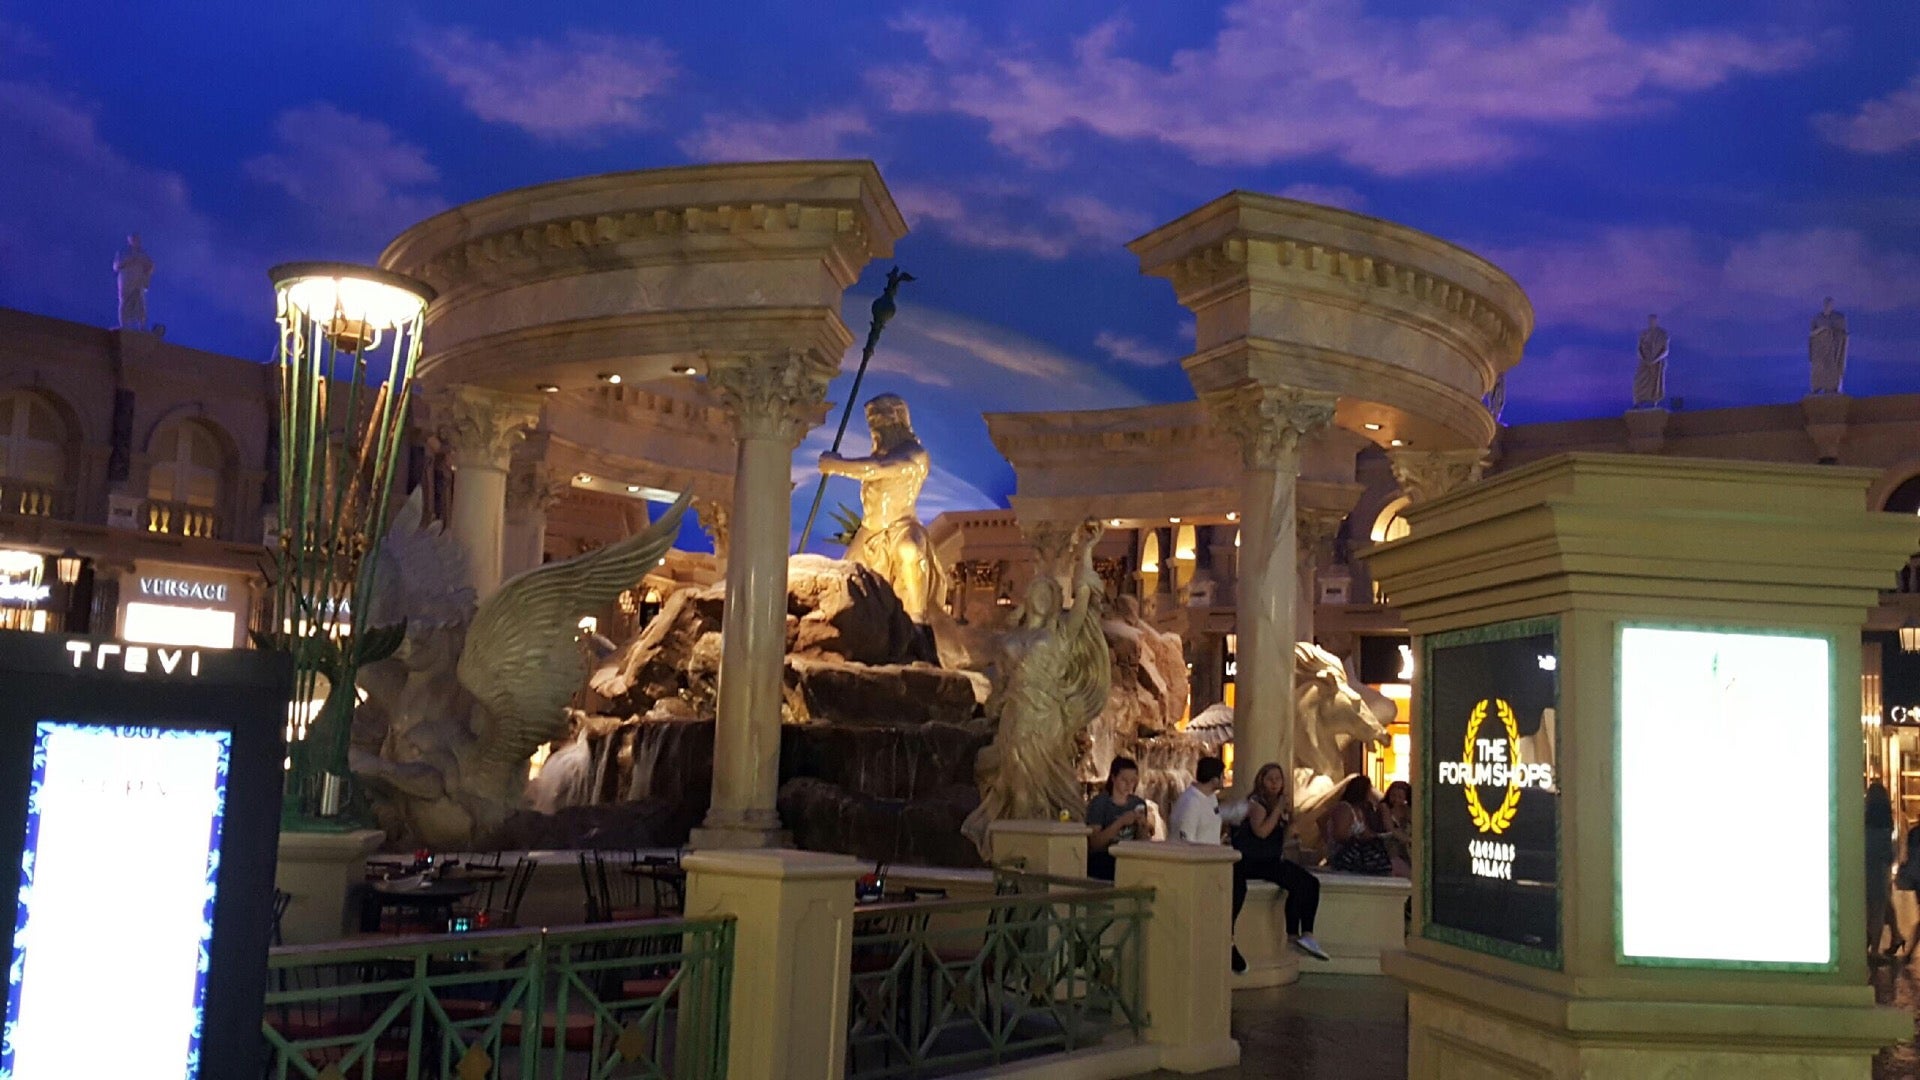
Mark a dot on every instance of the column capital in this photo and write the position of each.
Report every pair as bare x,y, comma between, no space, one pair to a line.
480,426
533,489
771,396
1429,474
1269,421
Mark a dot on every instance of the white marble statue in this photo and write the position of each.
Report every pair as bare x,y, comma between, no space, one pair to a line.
1049,682
1650,378
891,541
1827,350
1332,712
450,721
134,267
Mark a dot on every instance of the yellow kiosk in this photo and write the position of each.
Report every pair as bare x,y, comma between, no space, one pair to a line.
1638,802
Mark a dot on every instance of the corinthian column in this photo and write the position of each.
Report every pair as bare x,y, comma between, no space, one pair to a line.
1317,529
1269,423
772,401
1429,474
481,428
532,489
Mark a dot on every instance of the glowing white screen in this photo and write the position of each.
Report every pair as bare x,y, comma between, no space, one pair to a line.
165,624
1755,709
117,886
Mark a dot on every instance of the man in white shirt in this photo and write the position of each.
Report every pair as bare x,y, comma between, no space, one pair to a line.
1196,815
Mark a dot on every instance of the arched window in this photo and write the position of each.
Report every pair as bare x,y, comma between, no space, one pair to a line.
34,440
1390,525
187,467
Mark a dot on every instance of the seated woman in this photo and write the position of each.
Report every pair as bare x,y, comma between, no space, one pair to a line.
1356,834
1116,814
1399,814
1262,840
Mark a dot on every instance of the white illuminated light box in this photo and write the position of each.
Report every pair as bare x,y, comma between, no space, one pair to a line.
170,624
1760,706
116,812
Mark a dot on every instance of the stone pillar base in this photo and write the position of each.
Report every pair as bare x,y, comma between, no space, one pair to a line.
1463,1023
319,870
1057,848
731,838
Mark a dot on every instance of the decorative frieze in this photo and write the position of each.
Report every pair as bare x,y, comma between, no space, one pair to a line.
1269,422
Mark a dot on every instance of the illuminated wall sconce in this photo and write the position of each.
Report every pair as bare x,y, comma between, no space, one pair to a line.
1910,635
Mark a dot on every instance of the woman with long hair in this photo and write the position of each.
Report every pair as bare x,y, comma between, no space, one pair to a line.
1879,867
1356,834
1261,840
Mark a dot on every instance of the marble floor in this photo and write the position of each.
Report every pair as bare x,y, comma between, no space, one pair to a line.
1351,1027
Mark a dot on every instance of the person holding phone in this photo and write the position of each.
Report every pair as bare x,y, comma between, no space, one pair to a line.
1116,814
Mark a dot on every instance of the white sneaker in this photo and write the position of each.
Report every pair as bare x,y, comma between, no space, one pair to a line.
1306,944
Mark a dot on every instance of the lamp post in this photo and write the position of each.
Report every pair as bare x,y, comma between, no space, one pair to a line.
349,340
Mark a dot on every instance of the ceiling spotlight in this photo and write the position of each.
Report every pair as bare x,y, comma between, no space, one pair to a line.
1371,427
1113,523
610,378
684,369
583,478
547,388
1233,515
633,489
1174,521
1397,442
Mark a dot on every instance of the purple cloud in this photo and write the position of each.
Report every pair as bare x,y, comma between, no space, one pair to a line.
1880,126
825,134
1287,79
1131,350
1001,217
573,87
85,197
356,177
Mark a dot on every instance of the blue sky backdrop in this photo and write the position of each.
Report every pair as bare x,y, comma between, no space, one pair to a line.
1723,164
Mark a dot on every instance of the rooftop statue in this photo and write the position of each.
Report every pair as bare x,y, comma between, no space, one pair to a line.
450,721
135,270
1650,378
891,541
1049,682
1827,349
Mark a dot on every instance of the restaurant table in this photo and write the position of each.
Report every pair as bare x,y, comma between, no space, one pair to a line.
433,901
669,877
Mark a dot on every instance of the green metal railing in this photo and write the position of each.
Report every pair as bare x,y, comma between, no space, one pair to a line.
630,1001
1048,966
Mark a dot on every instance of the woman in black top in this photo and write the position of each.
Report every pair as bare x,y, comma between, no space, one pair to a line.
1879,867
1116,814
1262,842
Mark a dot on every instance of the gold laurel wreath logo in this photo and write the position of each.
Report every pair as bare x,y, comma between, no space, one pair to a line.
1497,821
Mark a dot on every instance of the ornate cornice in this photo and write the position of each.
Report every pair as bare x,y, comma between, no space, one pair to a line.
533,489
715,518
1429,474
771,396
481,427
1269,422
536,243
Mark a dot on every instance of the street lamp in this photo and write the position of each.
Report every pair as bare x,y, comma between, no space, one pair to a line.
66,567
349,340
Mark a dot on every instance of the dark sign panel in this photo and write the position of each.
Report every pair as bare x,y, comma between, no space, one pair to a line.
1386,659
1492,800
139,818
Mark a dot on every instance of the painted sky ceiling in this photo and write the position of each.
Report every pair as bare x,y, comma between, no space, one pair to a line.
1724,165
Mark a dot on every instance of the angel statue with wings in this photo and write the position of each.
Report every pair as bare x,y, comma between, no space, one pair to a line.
450,721
1050,679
